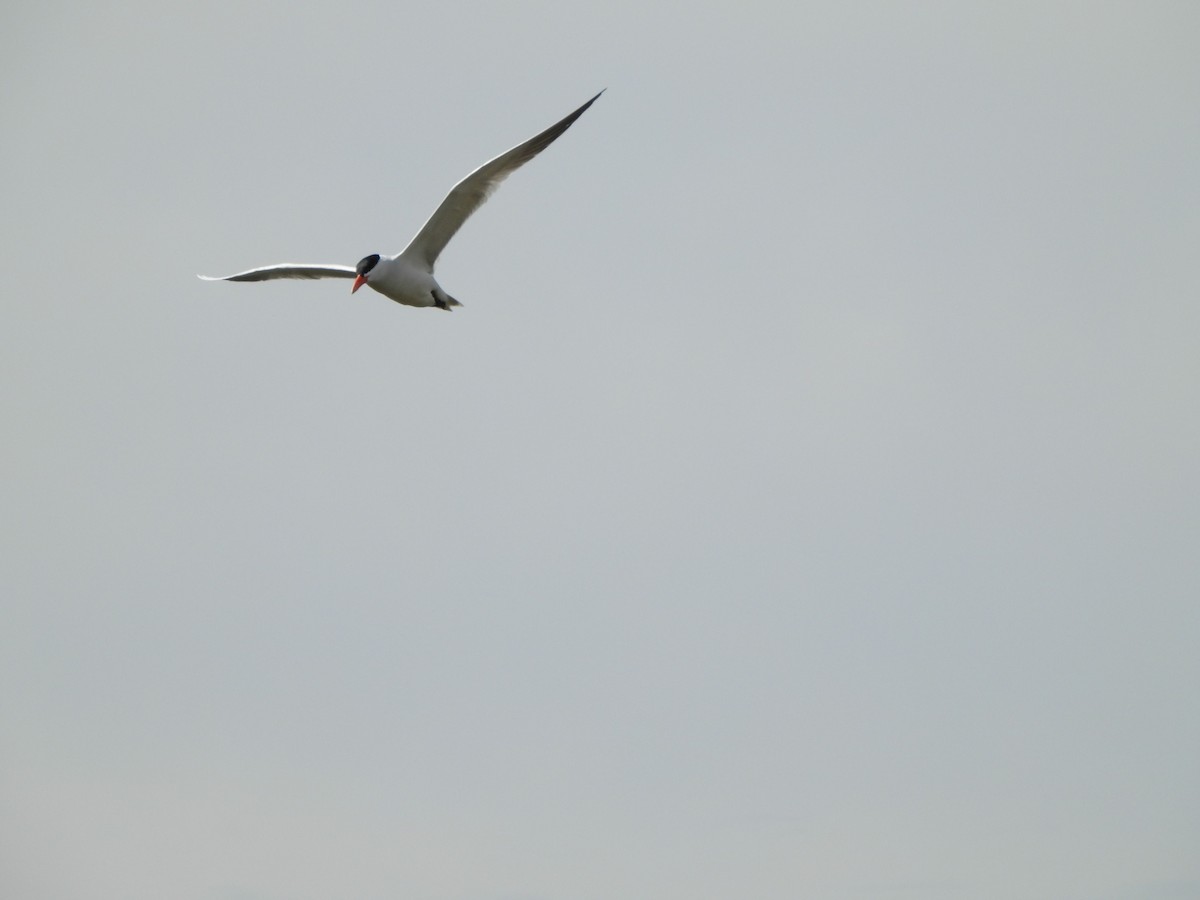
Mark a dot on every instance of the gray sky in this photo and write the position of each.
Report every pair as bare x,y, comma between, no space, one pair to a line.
805,502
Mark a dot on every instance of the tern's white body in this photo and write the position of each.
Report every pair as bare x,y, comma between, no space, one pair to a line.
407,277
398,279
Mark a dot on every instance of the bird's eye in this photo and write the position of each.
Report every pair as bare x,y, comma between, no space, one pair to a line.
366,264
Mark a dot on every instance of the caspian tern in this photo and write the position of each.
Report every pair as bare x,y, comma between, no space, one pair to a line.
407,277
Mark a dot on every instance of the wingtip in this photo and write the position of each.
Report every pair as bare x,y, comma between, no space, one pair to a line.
587,105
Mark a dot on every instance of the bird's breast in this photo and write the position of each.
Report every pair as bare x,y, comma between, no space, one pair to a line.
403,283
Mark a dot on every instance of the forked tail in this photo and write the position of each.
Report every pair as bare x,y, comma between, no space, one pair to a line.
442,300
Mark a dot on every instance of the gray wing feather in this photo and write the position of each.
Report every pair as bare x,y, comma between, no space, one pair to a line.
470,193
285,270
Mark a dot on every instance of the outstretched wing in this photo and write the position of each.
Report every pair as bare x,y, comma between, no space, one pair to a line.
468,195
285,270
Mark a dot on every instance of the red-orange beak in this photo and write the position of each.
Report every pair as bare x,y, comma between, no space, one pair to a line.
359,281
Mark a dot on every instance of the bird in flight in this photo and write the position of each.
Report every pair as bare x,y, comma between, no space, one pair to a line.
407,277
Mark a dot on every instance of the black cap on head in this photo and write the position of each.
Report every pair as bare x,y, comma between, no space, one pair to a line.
366,264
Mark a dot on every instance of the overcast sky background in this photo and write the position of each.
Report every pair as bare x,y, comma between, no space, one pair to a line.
804,504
